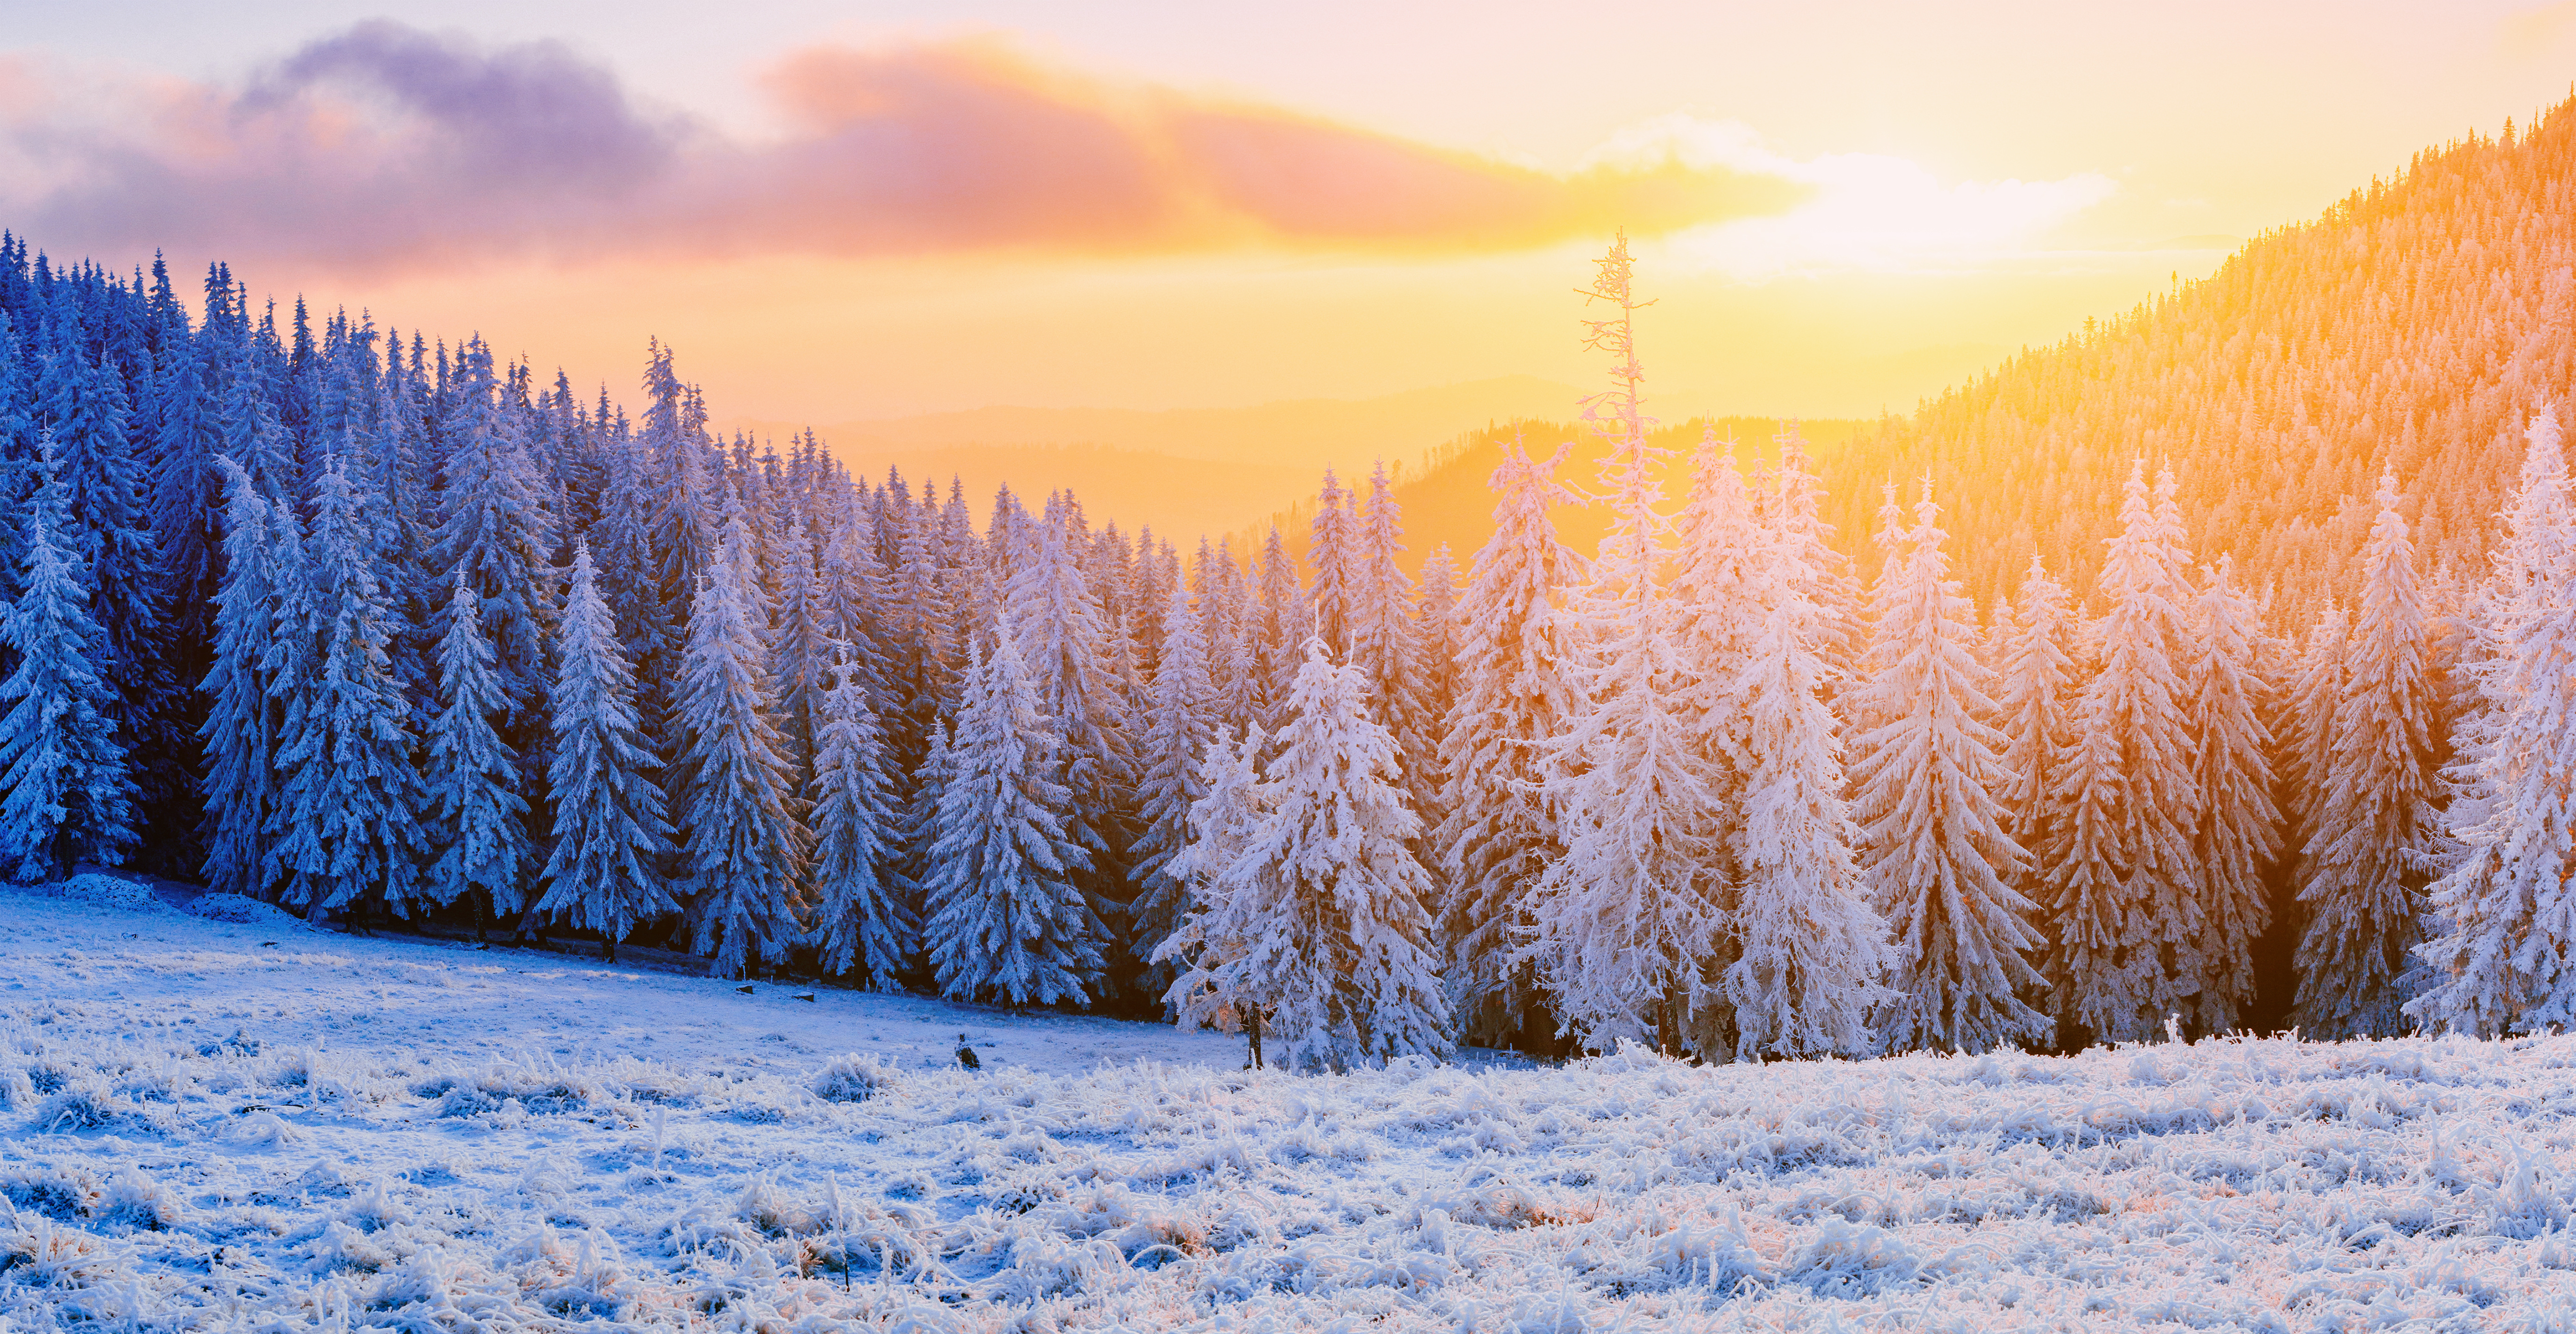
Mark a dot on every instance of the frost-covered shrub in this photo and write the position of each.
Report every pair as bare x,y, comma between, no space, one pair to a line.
59,1193
236,1045
854,1078
546,1090
138,1203
104,891
85,1106
244,911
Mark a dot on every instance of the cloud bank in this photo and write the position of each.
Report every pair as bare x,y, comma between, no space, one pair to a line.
387,148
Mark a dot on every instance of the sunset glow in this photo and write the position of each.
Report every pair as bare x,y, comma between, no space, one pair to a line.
1439,667
1851,206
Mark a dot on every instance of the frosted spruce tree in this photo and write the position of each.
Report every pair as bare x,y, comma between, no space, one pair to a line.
2124,887
1720,574
1282,618
1070,658
1326,892
1809,951
346,828
65,793
477,819
610,836
863,919
2239,829
1935,859
496,530
2315,694
2036,661
744,856
239,735
1217,934
1332,552
802,649
2362,870
1498,829
1626,921
106,524
2503,946
1180,722
1384,643
1435,641
1006,923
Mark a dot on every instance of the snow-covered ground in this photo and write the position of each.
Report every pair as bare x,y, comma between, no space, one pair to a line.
248,1125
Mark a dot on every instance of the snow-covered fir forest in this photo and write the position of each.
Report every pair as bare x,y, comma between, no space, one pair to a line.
380,628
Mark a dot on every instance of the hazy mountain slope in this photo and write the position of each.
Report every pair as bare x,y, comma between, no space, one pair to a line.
1446,500
1184,471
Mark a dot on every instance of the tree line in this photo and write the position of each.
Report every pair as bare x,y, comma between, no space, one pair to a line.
368,628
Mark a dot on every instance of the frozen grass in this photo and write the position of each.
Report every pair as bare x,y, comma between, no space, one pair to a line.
199,1136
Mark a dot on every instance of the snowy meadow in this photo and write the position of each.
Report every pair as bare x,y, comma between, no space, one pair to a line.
249,1125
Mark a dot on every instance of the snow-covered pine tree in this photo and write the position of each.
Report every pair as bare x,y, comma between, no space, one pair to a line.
1935,860
2037,665
744,848
1498,831
2503,946
1626,922
1005,921
1328,894
240,735
2125,886
346,827
1809,951
1180,723
610,835
1792,503
1332,552
497,531
107,525
1068,654
803,649
863,920
2316,692
65,793
2363,866
1435,659
2239,828
1281,621
477,819
927,782
1384,642
1719,572
1215,935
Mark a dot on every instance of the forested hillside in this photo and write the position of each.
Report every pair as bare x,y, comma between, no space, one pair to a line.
2410,329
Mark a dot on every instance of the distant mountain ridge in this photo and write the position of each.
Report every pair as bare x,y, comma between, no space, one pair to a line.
1182,470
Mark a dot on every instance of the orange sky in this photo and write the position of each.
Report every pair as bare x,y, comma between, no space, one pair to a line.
839,211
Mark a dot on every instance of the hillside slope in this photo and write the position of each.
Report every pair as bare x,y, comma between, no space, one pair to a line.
2414,326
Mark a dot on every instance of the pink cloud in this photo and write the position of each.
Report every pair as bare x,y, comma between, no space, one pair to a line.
383,147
